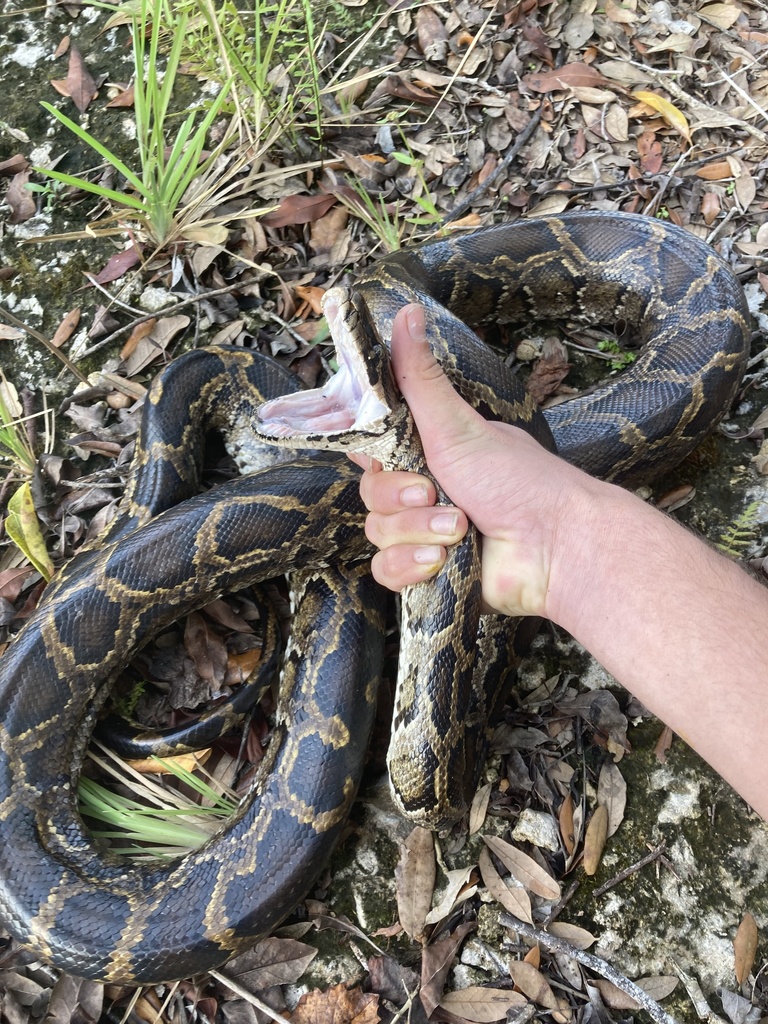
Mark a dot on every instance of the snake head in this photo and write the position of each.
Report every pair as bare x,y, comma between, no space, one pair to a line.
359,408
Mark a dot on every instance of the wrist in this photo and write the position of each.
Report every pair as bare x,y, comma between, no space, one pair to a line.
593,522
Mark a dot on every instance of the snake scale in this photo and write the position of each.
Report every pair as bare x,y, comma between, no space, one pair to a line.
97,916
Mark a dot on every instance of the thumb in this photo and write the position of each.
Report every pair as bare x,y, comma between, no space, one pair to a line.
442,417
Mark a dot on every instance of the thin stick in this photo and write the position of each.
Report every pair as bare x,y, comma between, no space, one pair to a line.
248,996
594,963
649,858
14,322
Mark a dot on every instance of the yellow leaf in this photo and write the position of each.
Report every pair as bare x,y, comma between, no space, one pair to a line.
23,528
675,118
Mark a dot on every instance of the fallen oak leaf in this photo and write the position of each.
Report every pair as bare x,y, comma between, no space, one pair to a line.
482,1005
575,74
513,898
524,868
415,881
299,209
595,839
66,328
745,947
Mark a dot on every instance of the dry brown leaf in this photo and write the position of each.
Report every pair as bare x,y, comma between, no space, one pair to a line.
483,1005
568,76
612,794
20,199
578,29
65,329
572,933
156,342
594,839
117,265
720,15
716,170
123,99
337,1005
81,88
139,331
431,34
745,947
524,868
478,807
663,744
299,209
513,898
533,984
745,189
206,648
565,822
436,962
272,961
658,986
710,207
614,997
415,881
620,13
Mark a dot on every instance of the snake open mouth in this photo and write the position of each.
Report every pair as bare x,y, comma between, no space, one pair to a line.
347,403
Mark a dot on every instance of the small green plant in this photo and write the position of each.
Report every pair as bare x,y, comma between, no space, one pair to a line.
165,822
621,359
170,153
741,533
14,443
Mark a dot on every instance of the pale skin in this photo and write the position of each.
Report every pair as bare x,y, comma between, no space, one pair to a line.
679,625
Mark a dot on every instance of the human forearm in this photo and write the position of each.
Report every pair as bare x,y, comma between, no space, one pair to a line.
675,622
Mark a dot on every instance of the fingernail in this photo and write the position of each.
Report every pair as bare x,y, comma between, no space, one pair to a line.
414,494
428,556
444,524
416,326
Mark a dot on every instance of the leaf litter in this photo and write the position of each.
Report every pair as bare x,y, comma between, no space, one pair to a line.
633,106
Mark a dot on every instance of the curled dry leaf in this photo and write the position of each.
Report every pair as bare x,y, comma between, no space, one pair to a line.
456,892
524,868
570,75
483,1005
513,898
594,839
272,962
565,822
745,947
415,881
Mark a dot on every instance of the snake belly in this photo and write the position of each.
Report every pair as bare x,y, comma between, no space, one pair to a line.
98,917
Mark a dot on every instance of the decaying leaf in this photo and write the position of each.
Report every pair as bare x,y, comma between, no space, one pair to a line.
479,807
573,934
594,839
299,209
745,947
273,961
415,881
337,1005
436,962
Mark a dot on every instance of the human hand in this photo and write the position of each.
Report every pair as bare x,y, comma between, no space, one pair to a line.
518,495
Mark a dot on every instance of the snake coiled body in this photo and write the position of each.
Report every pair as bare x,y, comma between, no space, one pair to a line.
96,916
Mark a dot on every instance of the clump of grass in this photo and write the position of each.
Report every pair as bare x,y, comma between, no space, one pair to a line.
162,820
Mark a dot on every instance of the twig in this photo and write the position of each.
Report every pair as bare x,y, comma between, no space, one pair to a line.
649,858
461,208
594,963
248,996
12,320
509,156
151,316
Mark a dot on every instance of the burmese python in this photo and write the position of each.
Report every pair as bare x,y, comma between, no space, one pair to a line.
99,917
